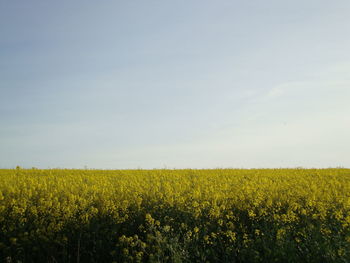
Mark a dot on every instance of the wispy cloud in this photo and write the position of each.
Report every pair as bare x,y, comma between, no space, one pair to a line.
185,84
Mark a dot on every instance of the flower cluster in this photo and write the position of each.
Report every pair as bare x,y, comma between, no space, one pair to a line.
216,215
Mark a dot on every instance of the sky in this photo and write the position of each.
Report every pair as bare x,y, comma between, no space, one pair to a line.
174,84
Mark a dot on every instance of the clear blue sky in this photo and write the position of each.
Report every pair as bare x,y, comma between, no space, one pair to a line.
199,84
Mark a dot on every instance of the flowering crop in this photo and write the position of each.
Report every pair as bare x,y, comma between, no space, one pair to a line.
217,215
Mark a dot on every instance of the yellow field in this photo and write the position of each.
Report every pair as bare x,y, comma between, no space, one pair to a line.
221,215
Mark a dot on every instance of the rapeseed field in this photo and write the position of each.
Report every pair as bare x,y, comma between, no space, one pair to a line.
217,215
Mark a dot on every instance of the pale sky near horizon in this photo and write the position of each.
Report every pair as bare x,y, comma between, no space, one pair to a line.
177,84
